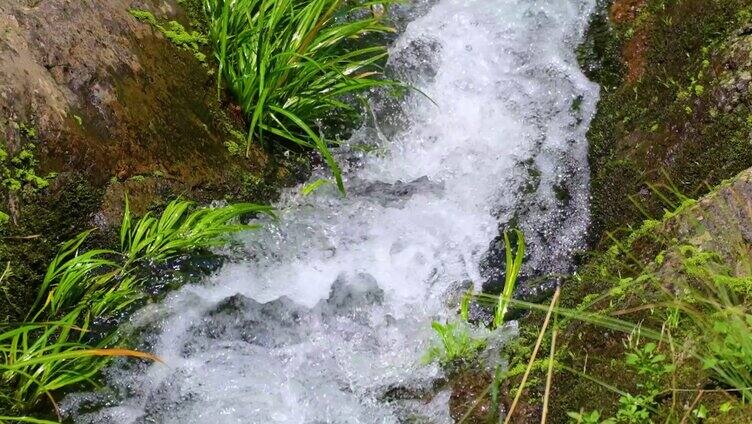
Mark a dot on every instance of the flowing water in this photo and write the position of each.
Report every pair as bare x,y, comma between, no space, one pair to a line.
327,316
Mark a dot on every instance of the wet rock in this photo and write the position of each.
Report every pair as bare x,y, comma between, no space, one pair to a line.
469,402
736,77
416,58
108,96
391,194
625,11
720,222
352,292
454,294
551,214
419,389
269,324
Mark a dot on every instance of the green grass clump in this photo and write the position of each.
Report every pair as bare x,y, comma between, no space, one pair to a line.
106,281
459,341
41,358
457,344
293,63
56,349
512,271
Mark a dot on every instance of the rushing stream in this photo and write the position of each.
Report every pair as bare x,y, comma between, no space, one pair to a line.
328,316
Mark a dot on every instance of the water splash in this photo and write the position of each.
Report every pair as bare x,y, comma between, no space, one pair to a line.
327,318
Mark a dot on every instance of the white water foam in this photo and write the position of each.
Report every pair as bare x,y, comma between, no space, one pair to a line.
328,318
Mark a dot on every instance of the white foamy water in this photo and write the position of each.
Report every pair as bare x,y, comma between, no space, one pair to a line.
328,318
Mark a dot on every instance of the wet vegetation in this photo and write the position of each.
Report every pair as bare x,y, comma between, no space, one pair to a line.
294,64
662,335
656,324
64,341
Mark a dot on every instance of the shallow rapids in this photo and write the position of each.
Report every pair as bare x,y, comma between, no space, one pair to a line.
327,317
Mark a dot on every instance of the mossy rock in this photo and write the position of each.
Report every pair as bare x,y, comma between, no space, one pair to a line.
115,106
624,281
672,112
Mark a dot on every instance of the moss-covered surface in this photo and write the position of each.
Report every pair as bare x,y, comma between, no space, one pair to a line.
667,112
154,131
701,242
46,219
673,121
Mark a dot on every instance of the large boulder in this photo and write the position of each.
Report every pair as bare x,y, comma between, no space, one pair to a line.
100,105
111,97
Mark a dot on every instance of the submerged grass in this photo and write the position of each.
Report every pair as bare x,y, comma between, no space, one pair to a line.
292,64
460,342
57,349
512,271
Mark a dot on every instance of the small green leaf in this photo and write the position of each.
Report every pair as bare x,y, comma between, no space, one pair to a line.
310,188
726,407
701,412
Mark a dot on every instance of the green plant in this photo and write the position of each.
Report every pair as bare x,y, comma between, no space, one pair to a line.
715,302
635,409
292,63
456,344
592,417
727,344
512,271
18,171
40,358
647,362
495,390
32,420
107,281
465,305
73,278
309,188
180,229
56,348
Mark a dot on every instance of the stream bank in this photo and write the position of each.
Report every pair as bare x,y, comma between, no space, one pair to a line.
674,116
98,105
673,124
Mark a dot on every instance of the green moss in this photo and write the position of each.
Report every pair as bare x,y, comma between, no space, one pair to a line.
18,169
176,33
600,53
46,220
144,16
195,11
666,124
707,266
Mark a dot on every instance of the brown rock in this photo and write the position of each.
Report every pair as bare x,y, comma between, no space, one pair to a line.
110,96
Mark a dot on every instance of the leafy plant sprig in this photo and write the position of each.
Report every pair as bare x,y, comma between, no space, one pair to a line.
513,267
292,63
